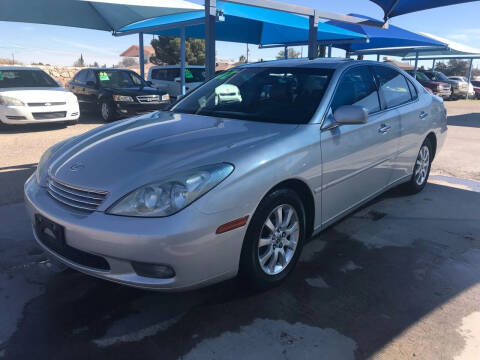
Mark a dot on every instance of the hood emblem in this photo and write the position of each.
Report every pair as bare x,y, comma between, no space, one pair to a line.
77,167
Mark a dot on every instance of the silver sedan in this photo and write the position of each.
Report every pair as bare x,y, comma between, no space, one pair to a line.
236,176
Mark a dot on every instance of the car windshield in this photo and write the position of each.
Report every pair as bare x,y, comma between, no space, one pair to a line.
277,94
25,78
438,76
422,77
119,79
194,75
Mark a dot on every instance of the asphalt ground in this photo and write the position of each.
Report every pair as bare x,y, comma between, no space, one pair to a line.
398,279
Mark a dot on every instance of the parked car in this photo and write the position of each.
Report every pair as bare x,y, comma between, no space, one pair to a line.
116,93
464,85
168,79
439,88
458,90
219,186
476,88
29,96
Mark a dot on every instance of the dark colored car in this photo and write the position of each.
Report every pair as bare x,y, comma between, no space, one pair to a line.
459,90
116,93
439,88
476,88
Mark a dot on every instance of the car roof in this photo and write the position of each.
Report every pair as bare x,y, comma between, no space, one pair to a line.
19,68
107,69
177,66
331,63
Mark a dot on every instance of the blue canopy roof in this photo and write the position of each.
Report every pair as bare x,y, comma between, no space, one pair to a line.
393,8
245,24
380,38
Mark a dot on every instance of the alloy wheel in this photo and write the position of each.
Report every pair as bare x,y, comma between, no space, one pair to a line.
105,111
278,239
422,165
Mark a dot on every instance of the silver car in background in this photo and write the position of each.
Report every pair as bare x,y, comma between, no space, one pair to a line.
225,185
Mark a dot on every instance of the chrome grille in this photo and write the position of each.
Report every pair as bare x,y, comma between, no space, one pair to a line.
148,99
75,197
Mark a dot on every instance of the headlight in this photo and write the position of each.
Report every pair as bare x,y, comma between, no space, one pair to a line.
173,194
10,101
165,97
122,98
45,157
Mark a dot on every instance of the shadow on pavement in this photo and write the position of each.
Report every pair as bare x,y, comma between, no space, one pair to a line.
469,120
12,179
370,294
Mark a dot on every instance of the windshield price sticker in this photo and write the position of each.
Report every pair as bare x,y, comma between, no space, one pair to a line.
103,76
188,74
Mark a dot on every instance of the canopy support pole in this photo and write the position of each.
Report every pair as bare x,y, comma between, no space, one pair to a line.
378,57
210,15
433,64
469,75
415,66
285,52
329,51
141,55
312,36
182,59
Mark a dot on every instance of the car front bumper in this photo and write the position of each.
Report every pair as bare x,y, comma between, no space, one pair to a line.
16,115
186,242
132,109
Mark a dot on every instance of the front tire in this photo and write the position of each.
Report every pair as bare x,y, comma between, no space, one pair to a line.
274,240
421,169
107,111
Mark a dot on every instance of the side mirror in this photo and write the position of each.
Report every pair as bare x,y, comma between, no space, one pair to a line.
177,79
149,83
348,115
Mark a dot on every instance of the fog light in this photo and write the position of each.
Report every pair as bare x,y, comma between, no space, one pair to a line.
153,270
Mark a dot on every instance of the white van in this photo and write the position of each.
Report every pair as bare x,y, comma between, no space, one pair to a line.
167,78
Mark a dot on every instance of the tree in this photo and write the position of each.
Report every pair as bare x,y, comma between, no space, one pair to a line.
167,51
128,61
79,62
242,58
453,67
292,54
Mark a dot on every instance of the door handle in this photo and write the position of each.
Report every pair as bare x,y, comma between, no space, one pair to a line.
423,115
384,128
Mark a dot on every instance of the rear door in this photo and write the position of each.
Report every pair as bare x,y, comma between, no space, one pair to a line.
400,96
357,159
76,85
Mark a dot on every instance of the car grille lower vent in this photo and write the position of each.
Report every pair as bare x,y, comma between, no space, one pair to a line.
75,197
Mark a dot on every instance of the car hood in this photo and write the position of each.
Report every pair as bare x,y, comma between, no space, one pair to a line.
133,152
33,95
134,91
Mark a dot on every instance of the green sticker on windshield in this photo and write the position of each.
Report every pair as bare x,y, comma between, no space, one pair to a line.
225,75
103,76
1,75
188,74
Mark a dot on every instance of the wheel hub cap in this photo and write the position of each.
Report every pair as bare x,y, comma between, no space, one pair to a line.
422,165
278,239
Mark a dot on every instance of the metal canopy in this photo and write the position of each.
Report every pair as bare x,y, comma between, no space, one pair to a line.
393,8
245,24
109,15
453,50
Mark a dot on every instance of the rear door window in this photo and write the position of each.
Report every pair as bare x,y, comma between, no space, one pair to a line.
393,86
357,87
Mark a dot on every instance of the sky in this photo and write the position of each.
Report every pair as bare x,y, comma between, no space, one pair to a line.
59,45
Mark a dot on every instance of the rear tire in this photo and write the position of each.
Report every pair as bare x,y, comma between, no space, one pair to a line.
107,112
274,240
421,169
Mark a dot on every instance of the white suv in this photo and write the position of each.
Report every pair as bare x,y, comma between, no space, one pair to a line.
29,95
167,78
